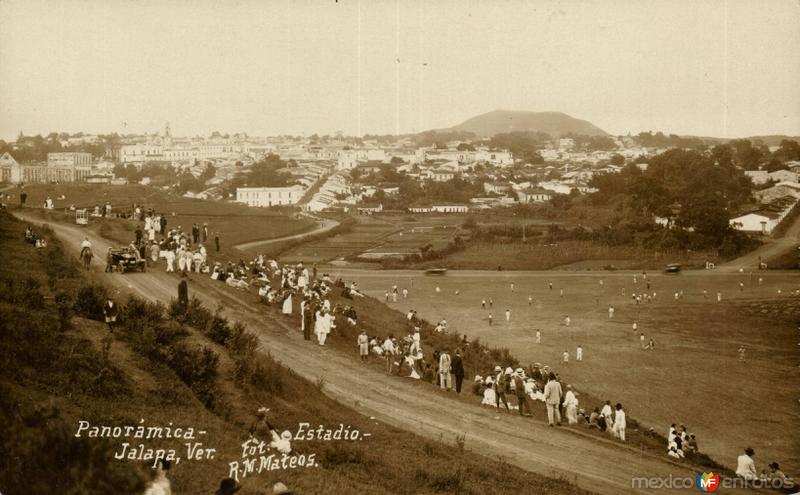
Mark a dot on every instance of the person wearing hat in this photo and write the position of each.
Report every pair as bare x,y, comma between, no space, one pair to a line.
280,489
775,474
228,486
457,366
500,386
745,467
552,399
445,365
519,389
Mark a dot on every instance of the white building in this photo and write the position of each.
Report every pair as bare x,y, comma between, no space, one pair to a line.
757,177
533,195
783,176
449,208
10,170
754,222
269,196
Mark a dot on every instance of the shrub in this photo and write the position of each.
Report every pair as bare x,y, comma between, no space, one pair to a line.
36,445
241,343
262,372
64,304
197,368
89,301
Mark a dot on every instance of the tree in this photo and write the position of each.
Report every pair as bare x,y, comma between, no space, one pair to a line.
789,150
465,147
208,173
265,173
617,159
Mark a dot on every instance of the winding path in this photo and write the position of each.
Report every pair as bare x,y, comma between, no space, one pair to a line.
324,225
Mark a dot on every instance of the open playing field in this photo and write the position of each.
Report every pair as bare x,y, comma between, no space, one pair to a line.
694,368
236,223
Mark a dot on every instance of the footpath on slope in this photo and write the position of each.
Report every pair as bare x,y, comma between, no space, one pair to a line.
325,224
602,466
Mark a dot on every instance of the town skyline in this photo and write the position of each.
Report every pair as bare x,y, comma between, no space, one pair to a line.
717,69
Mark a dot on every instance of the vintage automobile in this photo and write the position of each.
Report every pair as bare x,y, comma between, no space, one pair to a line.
435,271
673,268
124,259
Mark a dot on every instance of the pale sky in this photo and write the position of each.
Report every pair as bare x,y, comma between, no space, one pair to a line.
709,67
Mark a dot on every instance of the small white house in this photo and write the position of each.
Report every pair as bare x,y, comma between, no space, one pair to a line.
755,222
533,195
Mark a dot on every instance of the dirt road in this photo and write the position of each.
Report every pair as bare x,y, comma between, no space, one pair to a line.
600,465
772,249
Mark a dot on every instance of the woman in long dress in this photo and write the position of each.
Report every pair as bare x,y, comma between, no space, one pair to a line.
287,304
571,406
489,396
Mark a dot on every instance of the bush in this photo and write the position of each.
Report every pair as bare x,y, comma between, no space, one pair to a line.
25,291
261,372
64,304
37,445
241,343
197,368
89,301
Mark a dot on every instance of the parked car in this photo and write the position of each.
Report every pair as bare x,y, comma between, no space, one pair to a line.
124,259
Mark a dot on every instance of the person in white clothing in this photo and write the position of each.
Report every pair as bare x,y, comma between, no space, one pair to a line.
170,256
571,406
323,325
745,467
607,413
160,485
579,353
619,423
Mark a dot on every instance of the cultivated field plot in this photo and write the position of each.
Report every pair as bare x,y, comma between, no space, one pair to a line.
693,376
410,240
235,223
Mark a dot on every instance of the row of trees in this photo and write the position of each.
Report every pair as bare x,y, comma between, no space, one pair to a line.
36,148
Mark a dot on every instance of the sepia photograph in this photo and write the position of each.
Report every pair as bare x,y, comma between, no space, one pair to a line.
467,247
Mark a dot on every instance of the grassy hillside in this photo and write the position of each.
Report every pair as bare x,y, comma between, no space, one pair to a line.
190,368
250,223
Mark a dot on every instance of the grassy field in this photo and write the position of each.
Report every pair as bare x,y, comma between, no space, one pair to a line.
235,223
693,376
54,374
568,255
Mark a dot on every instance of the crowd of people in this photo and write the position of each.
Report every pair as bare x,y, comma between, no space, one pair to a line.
35,239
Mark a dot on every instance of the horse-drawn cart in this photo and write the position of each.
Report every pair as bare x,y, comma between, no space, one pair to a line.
124,259
82,217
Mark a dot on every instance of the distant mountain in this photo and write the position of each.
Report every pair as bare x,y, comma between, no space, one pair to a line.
553,123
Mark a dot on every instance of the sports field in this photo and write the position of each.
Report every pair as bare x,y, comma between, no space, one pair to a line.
692,371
